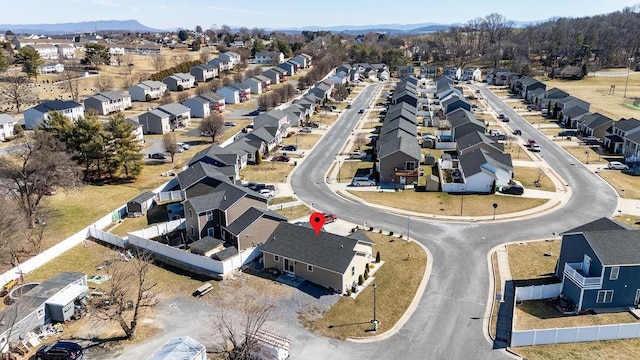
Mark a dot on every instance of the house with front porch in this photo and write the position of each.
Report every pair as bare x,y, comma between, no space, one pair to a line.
108,102
155,121
231,57
464,122
453,72
51,68
273,75
472,74
266,82
7,124
255,85
230,94
227,160
631,147
525,84
288,67
594,124
269,135
569,115
428,71
216,102
453,102
302,60
269,57
558,105
599,265
325,259
615,135
218,65
200,108
404,71
179,115
485,170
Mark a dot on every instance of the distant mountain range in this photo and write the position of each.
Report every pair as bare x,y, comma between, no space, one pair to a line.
78,27
135,26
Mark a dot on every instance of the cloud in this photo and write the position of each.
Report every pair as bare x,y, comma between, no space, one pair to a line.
235,10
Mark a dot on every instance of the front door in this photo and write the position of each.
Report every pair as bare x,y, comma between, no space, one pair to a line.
637,301
586,264
289,266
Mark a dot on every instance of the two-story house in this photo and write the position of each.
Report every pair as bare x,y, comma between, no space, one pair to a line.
615,135
204,72
7,124
598,266
179,81
34,116
108,102
179,115
269,57
147,90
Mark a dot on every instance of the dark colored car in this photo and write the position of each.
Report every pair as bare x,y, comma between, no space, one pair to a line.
254,113
329,218
512,190
62,350
314,124
159,156
501,116
283,158
505,119
361,111
517,132
290,148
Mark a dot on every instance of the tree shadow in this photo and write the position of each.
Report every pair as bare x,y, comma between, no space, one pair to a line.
352,324
94,342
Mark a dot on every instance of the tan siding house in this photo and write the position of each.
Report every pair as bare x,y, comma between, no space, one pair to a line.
326,259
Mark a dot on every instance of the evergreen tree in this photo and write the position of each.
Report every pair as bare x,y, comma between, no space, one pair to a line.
87,141
30,60
4,64
96,54
124,147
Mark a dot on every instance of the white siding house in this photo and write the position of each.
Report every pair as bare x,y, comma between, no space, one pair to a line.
108,102
155,89
179,81
7,123
37,114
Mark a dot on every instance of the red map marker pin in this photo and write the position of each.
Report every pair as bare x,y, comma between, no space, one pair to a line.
317,221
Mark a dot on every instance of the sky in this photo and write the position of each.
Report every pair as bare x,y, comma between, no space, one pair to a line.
269,14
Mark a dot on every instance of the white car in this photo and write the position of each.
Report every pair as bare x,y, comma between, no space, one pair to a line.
616,165
266,193
183,145
535,148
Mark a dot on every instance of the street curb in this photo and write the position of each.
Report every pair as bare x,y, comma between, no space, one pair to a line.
410,310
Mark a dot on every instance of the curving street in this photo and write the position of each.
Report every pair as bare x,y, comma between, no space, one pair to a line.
449,321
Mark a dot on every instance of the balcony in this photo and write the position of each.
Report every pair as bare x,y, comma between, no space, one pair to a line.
573,271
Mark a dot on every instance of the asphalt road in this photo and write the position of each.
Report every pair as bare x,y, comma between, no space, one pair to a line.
448,322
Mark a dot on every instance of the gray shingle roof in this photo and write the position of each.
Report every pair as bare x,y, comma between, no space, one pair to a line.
142,198
573,112
198,171
472,162
221,197
461,116
174,109
6,119
325,250
404,143
475,138
601,224
225,253
204,245
249,217
627,124
56,105
615,247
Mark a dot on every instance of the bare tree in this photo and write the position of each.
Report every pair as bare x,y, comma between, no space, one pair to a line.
11,225
16,89
212,125
72,74
128,81
183,96
237,334
127,60
129,290
159,62
205,55
239,77
104,83
170,144
39,168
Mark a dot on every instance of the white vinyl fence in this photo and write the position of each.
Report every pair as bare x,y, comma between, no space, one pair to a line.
538,292
285,205
140,239
170,195
564,335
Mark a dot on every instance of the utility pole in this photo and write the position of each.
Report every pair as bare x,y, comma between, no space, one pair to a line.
627,82
375,320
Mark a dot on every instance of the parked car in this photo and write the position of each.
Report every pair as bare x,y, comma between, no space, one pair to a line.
159,156
283,158
261,186
306,129
616,165
501,116
568,133
183,145
361,111
179,149
517,132
62,350
359,181
329,218
314,124
229,123
266,193
348,106
357,155
255,112
535,148
512,190
290,148
505,119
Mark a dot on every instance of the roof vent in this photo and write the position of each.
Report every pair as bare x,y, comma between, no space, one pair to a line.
224,198
341,246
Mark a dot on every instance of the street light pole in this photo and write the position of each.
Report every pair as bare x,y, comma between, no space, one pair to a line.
375,319
627,82
587,153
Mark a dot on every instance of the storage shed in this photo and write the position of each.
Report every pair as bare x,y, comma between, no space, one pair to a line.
139,205
181,348
206,246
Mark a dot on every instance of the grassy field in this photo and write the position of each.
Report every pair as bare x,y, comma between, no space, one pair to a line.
449,205
626,185
528,261
267,172
630,220
595,90
584,153
349,169
281,200
295,212
539,314
618,349
397,281
304,141
528,175
518,152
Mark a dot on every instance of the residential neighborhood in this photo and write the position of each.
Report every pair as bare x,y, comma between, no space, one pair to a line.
310,192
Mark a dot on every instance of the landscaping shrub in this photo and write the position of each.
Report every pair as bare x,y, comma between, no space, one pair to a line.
360,280
378,256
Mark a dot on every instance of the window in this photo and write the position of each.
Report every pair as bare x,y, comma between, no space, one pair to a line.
209,215
310,268
40,313
353,271
193,231
190,213
410,165
604,296
276,258
615,271
210,231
